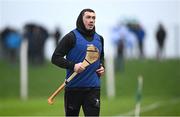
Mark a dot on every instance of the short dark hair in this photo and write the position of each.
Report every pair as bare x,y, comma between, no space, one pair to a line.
87,10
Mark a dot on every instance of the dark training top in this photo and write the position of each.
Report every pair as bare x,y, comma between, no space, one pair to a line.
66,44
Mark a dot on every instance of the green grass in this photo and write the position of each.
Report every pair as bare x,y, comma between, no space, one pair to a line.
31,107
161,87
116,107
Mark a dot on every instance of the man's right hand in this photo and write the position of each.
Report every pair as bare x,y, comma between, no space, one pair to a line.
78,68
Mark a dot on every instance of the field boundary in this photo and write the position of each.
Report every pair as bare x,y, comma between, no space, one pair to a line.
152,106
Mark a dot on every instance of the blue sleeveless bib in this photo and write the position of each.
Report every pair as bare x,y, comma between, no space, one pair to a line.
89,77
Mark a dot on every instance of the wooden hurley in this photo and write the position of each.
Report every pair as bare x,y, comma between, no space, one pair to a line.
92,55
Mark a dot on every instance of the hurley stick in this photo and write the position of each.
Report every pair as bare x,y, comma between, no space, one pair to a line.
92,55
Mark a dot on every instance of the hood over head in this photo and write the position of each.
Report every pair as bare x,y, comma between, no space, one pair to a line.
80,25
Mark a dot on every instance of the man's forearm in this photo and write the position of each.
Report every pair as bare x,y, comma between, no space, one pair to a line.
62,62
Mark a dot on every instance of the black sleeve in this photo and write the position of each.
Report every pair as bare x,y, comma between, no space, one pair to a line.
62,49
102,53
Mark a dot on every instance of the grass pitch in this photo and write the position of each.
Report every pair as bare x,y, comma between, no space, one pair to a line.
161,96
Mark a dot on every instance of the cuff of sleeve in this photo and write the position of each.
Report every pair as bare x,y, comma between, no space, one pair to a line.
71,65
102,65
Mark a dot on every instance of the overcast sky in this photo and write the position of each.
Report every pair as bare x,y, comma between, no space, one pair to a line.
63,13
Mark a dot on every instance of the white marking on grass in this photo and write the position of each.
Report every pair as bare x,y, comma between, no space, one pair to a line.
153,106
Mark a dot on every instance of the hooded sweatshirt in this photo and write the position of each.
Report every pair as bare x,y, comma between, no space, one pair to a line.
69,40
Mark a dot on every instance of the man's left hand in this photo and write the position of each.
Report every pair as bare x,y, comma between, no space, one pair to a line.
100,71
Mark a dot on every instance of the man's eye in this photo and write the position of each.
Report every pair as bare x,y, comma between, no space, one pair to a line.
89,17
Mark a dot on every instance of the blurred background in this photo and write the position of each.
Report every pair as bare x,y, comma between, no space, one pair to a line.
142,41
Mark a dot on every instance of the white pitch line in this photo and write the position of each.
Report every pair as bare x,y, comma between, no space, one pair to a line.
145,109
153,106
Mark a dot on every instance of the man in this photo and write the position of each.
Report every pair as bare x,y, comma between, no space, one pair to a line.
160,37
84,89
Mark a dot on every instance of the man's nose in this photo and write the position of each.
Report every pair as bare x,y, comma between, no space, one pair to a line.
91,19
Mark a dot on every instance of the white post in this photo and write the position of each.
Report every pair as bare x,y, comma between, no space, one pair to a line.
110,76
139,96
24,70
177,42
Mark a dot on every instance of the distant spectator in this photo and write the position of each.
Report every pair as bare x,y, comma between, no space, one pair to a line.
122,39
160,37
57,35
138,30
4,34
11,41
36,36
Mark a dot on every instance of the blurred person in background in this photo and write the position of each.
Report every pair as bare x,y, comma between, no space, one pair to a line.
28,34
140,36
124,42
57,35
4,34
84,89
1,53
36,36
160,38
139,32
11,42
119,39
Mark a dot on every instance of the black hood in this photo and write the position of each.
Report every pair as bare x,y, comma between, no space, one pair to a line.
80,25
